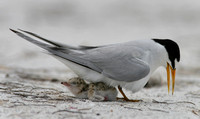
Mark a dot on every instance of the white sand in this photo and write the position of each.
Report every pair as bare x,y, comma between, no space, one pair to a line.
95,23
36,94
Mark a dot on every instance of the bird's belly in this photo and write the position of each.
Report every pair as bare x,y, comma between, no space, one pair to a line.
137,85
83,72
93,76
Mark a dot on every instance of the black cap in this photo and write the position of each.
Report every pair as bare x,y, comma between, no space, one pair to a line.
172,49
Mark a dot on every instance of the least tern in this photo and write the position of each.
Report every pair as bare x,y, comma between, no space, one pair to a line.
128,65
94,91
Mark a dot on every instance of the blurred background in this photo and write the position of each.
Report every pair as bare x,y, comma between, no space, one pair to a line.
98,22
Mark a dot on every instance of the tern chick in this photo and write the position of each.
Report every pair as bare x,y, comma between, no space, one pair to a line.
101,91
77,86
94,91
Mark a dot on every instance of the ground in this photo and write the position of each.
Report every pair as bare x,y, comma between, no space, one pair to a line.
33,94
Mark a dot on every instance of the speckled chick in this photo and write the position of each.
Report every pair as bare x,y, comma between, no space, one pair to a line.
78,87
94,91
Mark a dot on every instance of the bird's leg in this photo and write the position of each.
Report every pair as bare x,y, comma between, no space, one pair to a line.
121,91
125,98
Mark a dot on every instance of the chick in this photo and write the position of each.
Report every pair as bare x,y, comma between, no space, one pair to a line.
77,86
101,92
93,91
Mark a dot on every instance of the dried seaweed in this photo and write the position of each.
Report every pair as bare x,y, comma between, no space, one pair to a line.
66,110
155,101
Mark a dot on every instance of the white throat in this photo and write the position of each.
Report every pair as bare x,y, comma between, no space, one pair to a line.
159,57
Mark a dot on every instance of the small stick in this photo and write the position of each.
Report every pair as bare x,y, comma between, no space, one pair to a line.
69,111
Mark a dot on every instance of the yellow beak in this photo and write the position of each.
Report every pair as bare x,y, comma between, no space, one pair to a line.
173,71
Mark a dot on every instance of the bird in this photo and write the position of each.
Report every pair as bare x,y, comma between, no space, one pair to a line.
98,91
78,87
127,65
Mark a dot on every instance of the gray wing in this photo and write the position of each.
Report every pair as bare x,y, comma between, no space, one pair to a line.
118,62
114,61
127,70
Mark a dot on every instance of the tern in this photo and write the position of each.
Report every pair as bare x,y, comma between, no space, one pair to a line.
128,65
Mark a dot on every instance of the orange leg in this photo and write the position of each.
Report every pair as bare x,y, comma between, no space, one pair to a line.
125,98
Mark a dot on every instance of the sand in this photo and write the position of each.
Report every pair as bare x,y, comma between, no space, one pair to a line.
35,94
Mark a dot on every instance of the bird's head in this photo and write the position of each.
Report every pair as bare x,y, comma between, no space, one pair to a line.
75,85
173,52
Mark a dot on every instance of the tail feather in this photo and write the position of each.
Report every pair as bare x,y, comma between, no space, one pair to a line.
48,41
54,49
44,39
64,46
38,43
49,47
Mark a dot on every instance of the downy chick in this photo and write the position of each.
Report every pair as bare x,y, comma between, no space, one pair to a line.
93,91
101,92
77,86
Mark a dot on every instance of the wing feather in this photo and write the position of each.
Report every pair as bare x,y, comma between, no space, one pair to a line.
121,62
120,65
